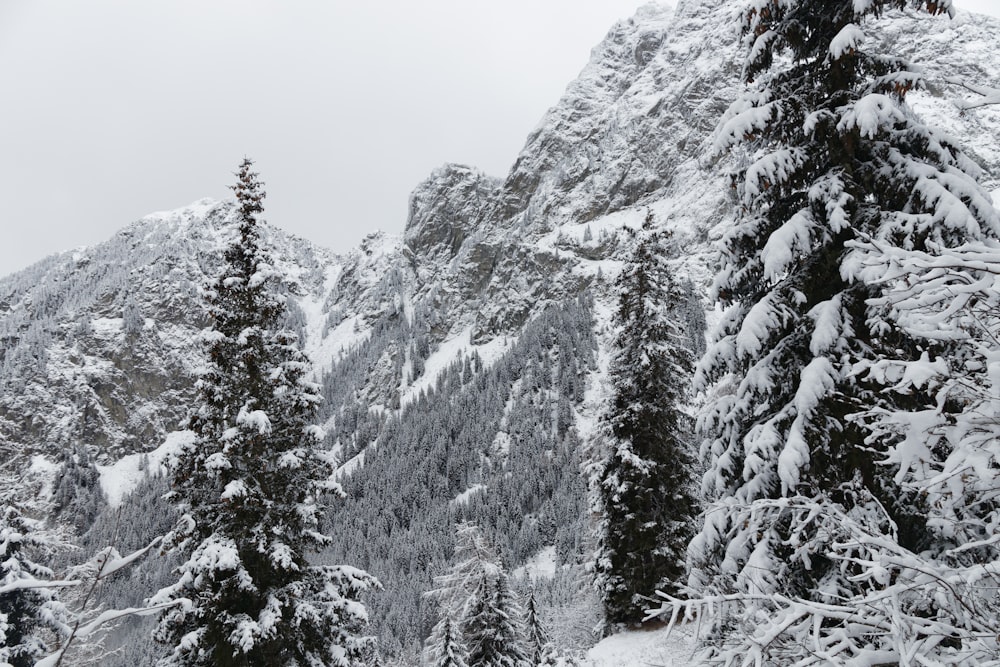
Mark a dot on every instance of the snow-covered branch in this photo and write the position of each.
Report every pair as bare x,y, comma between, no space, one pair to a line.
104,564
987,95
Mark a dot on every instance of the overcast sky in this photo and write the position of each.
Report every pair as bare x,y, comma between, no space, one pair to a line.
117,108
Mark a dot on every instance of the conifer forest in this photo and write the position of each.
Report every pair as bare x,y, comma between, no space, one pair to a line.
710,377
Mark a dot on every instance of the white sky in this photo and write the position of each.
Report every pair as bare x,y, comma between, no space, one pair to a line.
116,108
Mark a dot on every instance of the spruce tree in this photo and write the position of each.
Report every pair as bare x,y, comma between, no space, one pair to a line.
474,560
29,609
250,483
539,646
646,482
492,628
446,645
809,504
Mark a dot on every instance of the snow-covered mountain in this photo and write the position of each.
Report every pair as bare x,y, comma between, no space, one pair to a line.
503,284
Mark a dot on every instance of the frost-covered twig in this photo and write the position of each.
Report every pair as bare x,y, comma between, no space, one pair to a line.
107,562
988,95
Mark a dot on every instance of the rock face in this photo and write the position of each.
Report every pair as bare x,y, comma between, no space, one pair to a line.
486,268
632,135
76,371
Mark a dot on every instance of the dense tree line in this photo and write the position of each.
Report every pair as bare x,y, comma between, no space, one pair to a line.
508,428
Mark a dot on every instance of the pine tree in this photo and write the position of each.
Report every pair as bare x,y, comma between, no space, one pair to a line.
539,646
645,484
29,609
810,505
250,483
446,645
475,593
132,319
492,627
474,560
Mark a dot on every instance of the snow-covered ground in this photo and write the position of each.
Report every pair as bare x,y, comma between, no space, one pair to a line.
654,647
455,348
541,565
122,477
464,496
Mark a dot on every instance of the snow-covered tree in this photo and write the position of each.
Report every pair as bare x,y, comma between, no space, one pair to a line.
250,485
492,628
810,546
446,646
31,614
645,483
132,319
540,648
475,595
474,560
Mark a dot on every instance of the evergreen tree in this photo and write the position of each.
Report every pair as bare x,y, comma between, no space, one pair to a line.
249,484
645,484
29,609
476,593
539,646
132,319
492,628
809,503
446,645
474,560
77,492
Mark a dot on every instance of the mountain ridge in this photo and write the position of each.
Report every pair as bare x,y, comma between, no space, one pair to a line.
497,285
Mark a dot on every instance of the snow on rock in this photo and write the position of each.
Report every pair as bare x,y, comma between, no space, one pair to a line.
45,471
641,648
464,496
350,466
106,326
122,477
453,349
185,214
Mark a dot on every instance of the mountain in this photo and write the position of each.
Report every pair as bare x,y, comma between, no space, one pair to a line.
462,363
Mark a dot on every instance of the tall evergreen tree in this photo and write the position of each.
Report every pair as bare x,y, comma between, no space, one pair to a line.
29,609
474,560
492,629
539,645
250,484
647,495
808,502
446,645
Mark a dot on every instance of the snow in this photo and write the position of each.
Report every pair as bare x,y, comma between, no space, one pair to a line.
453,349
464,496
235,489
45,470
641,648
122,477
871,114
540,566
323,350
254,419
350,465
106,326
847,41
194,211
